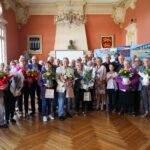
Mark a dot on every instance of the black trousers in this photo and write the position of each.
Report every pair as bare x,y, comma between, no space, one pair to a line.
127,101
29,91
79,99
9,102
20,101
112,96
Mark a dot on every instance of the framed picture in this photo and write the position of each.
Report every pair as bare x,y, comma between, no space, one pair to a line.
107,41
35,44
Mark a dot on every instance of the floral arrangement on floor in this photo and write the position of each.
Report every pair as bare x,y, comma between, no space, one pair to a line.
4,78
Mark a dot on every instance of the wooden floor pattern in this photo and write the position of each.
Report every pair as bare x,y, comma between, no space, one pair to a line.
96,131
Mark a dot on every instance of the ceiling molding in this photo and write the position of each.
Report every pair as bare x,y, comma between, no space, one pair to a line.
51,8
20,8
100,8
120,8
43,9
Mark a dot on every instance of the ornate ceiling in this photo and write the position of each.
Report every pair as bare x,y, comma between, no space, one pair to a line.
25,8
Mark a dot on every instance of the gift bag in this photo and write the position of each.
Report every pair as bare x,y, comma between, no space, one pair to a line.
17,93
87,96
49,93
69,93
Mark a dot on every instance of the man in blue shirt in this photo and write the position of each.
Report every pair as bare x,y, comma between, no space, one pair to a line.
35,66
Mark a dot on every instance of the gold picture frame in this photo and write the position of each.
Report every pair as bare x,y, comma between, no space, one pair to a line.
107,41
34,44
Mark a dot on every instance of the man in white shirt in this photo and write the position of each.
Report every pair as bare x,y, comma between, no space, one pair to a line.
61,89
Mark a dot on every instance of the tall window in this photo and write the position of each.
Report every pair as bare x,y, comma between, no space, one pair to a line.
3,53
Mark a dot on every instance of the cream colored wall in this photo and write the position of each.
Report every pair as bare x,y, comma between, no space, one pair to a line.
66,33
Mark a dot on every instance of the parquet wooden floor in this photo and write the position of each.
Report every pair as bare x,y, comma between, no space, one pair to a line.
96,131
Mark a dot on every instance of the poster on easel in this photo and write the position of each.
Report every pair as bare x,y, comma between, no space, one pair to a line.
102,52
125,50
141,50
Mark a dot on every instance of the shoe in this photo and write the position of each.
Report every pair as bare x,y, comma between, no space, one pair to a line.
84,114
51,117
114,111
133,114
32,114
68,115
102,107
44,119
26,115
12,120
61,118
76,114
97,109
145,115
20,114
120,113
4,126
7,122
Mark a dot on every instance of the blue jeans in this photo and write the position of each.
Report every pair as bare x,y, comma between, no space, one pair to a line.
61,99
47,104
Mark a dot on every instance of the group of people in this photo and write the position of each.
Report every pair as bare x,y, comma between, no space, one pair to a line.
81,85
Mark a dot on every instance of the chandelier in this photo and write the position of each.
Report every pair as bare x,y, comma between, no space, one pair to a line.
70,15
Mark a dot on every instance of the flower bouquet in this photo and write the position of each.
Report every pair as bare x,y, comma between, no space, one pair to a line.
68,80
4,78
49,76
125,75
87,81
146,76
30,75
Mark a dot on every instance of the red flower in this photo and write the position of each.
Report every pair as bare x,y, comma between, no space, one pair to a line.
4,78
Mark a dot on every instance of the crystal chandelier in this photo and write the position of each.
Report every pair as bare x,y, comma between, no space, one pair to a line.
70,15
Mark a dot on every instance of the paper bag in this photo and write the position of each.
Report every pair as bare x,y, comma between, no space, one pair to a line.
49,93
87,96
69,93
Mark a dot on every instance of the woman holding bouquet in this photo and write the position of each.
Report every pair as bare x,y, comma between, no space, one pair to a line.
100,84
87,84
16,82
78,91
21,68
128,81
62,89
112,87
48,82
